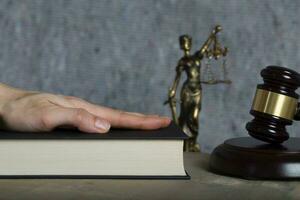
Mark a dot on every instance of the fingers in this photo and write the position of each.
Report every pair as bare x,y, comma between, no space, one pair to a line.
129,120
122,119
76,117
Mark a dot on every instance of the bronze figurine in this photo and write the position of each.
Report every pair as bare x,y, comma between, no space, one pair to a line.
191,92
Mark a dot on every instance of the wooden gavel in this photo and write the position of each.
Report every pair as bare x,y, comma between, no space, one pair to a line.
275,105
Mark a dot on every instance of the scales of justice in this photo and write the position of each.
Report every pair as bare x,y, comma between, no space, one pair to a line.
191,91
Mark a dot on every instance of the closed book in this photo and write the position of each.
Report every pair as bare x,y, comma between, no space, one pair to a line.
121,153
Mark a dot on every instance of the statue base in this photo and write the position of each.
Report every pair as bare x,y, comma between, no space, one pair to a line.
248,158
191,145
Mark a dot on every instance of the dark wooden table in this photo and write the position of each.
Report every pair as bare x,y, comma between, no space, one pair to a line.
203,185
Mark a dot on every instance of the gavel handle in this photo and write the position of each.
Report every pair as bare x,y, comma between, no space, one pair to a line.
297,115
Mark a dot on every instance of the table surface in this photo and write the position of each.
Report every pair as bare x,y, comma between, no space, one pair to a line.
203,185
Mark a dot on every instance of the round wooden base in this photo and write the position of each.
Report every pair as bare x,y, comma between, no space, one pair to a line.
249,158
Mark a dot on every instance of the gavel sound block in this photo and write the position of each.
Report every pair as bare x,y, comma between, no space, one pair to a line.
269,153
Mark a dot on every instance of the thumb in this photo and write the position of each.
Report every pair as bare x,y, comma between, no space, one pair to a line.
76,117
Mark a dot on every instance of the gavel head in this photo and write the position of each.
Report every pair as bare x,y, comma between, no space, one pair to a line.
275,105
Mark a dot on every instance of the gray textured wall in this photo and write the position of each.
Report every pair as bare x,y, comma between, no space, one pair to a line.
123,53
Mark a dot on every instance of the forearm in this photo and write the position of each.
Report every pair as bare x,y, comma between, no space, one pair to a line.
8,93
174,86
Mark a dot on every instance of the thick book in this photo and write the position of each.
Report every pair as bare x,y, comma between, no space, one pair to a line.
136,154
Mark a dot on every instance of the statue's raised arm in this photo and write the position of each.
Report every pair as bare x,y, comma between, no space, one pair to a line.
206,50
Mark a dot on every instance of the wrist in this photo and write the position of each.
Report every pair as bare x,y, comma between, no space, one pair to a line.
8,94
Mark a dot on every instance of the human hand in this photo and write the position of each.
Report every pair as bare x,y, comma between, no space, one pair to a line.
35,112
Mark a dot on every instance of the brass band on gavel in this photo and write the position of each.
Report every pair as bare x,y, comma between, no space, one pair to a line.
275,104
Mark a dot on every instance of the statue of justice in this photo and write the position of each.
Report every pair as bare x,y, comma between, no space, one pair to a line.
191,91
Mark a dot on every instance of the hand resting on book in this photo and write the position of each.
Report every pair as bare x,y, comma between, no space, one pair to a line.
35,112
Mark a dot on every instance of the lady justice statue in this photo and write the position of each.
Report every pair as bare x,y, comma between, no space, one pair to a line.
191,92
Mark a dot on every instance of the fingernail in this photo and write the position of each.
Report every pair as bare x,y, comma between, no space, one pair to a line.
167,119
102,124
